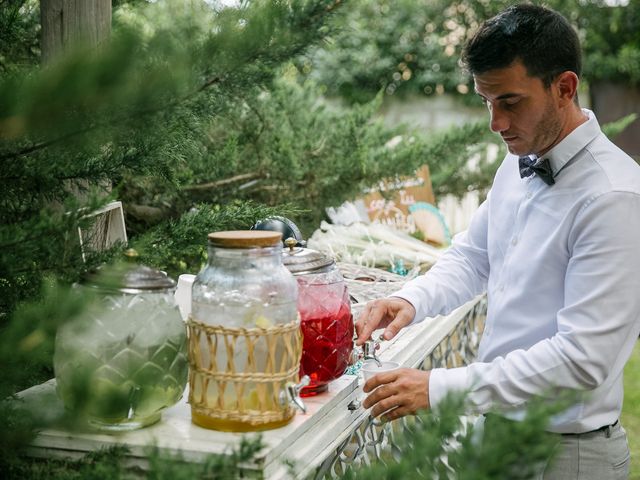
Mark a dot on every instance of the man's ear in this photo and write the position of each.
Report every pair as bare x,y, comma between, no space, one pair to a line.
566,85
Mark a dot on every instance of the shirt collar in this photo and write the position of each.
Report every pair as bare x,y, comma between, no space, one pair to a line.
573,143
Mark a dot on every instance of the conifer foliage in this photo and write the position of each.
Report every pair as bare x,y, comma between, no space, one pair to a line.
180,109
96,124
135,108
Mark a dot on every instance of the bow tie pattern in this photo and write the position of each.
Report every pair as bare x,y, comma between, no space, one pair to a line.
528,167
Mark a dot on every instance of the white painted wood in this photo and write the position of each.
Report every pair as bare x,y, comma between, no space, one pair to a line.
107,230
415,342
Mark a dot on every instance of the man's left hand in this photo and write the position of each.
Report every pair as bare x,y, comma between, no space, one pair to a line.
398,393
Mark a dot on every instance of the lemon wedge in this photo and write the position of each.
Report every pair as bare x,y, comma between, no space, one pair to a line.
253,402
263,322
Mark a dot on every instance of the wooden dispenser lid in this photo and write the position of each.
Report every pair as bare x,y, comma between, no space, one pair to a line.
245,238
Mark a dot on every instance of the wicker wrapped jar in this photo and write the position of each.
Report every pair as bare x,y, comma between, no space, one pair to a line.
244,334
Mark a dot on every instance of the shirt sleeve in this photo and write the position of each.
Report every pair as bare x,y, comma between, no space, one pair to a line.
597,326
457,277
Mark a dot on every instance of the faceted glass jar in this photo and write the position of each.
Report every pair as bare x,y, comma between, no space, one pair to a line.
243,298
325,317
125,360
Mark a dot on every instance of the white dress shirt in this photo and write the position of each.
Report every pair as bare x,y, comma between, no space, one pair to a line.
560,265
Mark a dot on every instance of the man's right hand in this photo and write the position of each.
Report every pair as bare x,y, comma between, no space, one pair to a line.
393,313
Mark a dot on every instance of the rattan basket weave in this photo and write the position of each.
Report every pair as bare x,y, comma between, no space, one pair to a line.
238,374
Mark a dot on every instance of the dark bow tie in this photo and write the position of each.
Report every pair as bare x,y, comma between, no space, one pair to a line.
543,169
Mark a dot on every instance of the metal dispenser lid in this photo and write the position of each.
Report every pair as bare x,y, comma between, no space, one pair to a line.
301,260
128,277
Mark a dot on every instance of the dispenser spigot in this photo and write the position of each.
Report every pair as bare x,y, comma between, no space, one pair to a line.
369,351
291,393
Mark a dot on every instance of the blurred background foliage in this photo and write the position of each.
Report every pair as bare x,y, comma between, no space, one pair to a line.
414,46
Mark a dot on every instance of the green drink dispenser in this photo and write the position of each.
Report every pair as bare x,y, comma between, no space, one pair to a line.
124,360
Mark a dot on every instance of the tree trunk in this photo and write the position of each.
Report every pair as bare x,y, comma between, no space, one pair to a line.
73,24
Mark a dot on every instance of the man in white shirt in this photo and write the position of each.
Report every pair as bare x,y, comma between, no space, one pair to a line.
556,247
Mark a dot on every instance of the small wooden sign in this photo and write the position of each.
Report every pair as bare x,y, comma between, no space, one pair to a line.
407,204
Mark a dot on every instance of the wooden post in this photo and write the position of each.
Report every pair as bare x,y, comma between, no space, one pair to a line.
73,23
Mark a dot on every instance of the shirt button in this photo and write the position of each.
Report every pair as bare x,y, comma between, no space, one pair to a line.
529,195
514,240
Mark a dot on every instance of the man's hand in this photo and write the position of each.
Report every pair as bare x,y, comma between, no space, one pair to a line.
398,393
393,313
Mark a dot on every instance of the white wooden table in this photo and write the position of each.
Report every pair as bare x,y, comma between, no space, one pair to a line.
315,442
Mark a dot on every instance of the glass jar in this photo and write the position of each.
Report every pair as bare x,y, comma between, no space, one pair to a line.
125,359
244,334
325,315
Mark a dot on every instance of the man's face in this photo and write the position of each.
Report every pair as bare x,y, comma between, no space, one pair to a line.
523,111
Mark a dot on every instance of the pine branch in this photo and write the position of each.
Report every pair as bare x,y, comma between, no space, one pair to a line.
42,145
180,246
137,115
223,182
261,52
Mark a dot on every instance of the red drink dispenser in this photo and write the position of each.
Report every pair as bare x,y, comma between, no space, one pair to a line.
325,316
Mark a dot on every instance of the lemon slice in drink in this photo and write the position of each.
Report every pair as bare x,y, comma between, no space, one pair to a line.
263,322
253,402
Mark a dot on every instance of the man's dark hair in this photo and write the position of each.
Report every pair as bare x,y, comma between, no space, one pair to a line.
542,39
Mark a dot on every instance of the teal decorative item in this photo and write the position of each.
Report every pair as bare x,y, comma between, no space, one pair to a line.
430,221
354,369
399,268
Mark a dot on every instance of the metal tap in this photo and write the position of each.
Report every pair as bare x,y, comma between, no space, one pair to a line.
291,394
369,351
